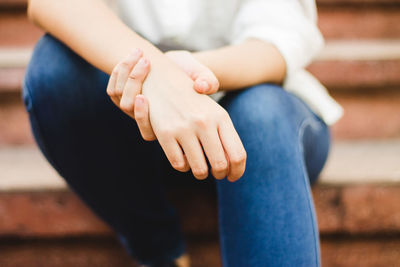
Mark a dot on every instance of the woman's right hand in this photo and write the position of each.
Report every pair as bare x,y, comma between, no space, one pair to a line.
180,118
187,123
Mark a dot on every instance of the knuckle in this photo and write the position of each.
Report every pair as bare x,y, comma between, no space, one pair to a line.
200,172
119,89
127,106
148,137
132,76
178,165
219,175
139,116
181,128
124,64
115,71
220,166
110,92
239,158
201,122
166,132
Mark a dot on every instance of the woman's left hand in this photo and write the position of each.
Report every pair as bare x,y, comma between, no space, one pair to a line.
205,82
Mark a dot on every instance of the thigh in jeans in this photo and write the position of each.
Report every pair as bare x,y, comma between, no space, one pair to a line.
267,217
98,150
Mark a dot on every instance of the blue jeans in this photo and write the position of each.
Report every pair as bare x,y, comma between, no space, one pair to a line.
266,218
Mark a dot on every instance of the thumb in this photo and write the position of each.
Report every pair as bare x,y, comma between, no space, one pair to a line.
206,83
142,118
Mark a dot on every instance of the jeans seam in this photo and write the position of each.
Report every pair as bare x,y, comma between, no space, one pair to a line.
302,126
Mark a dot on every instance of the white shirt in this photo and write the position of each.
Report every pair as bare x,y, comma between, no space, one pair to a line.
197,25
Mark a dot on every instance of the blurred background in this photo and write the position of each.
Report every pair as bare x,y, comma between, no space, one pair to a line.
42,223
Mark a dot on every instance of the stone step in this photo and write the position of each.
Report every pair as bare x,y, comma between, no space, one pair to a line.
14,124
368,115
106,252
342,65
93,252
44,224
359,21
371,115
358,193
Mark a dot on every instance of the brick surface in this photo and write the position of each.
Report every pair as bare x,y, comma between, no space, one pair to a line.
329,207
63,253
14,125
47,214
369,209
365,252
345,75
355,210
381,22
11,79
93,252
105,252
335,75
16,30
368,115
359,22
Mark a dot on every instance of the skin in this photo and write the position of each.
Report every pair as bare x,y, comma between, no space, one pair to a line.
195,122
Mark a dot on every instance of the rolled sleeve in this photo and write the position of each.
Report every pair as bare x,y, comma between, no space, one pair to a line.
290,25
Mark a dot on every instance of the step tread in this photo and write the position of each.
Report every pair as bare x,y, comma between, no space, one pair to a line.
24,168
341,64
355,162
360,50
335,50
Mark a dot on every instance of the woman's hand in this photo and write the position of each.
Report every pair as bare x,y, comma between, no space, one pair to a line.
126,81
127,78
204,79
187,123
181,119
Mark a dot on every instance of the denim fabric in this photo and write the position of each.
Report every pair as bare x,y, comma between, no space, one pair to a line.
266,218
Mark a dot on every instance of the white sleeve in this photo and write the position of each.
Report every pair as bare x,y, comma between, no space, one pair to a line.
290,25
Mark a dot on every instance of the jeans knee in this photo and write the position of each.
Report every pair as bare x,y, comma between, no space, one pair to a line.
261,108
55,74
49,62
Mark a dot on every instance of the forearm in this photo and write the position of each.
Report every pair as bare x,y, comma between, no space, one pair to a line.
239,66
92,30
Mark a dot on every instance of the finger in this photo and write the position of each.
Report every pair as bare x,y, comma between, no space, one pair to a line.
111,87
133,85
234,149
195,156
142,118
201,86
215,153
124,68
173,152
206,82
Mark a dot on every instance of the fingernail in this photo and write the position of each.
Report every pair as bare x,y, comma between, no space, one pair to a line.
203,85
143,61
139,100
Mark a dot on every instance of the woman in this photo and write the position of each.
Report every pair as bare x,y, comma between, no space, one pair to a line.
269,142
